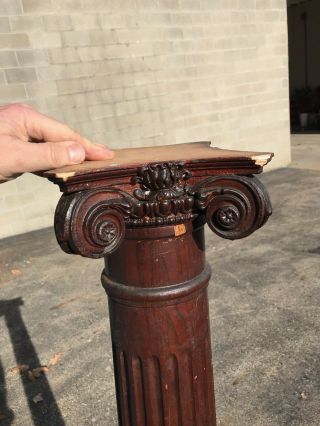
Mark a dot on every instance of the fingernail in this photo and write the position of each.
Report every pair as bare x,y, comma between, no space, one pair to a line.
76,153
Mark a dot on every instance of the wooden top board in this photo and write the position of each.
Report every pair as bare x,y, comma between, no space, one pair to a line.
193,152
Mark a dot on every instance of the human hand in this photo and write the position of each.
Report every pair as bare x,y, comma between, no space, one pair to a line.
31,142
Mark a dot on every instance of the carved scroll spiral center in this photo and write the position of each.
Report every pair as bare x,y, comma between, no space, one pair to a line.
228,216
107,231
234,206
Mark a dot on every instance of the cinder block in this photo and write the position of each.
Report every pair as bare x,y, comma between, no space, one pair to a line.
247,4
63,55
13,93
32,57
279,4
112,20
141,49
4,25
100,111
57,114
185,19
110,5
70,85
20,75
86,99
107,67
106,125
161,18
82,99
124,108
79,70
117,51
38,88
106,96
264,4
85,21
26,23
70,5
57,22
63,101
38,103
52,72
100,82
14,41
10,7
39,40
76,38
127,35
94,53
163,47
189,5
280,50
272,16
31,6
8,59
54,102
2,78
76,115
98,37
86,128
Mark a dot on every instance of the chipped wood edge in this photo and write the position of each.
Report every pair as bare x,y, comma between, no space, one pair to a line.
64,176
262,159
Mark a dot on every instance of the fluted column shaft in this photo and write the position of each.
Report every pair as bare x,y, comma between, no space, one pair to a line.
157,287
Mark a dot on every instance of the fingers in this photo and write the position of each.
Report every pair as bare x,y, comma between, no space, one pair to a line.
20,125
34,157
43,128
96,151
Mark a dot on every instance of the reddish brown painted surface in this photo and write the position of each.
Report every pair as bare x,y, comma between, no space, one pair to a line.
160,333
147,221
154,257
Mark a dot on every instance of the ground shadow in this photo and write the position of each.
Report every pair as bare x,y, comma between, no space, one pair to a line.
46,412
6,415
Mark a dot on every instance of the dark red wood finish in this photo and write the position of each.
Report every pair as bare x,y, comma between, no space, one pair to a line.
160,328
148,224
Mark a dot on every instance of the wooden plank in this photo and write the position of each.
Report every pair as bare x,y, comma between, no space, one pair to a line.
132,157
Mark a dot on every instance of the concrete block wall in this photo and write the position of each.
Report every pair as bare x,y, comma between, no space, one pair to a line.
144,72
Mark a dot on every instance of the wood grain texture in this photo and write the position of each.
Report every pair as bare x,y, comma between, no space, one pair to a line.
162,351
145,215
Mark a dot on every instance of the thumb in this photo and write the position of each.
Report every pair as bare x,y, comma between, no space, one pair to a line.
49,155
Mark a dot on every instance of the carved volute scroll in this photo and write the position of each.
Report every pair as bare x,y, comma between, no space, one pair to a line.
235,206
92,222
89,224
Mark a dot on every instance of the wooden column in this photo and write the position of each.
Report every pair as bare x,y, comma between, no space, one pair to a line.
144,212
159,298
